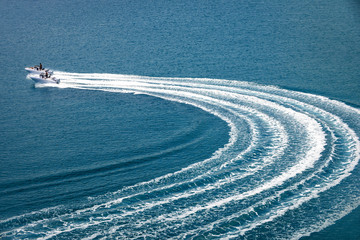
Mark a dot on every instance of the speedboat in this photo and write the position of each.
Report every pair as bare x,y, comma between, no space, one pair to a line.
44,78
37,70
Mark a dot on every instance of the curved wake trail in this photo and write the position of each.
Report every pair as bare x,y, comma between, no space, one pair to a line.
287,152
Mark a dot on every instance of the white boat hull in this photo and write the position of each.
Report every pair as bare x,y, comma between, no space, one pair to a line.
39,79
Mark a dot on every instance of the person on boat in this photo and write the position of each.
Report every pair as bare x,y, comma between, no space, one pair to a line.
46,74
40,66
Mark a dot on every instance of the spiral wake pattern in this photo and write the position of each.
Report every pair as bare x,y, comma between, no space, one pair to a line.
282,173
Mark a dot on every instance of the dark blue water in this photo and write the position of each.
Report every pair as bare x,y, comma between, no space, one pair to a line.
191,154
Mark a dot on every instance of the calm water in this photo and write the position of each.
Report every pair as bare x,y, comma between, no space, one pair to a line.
182,119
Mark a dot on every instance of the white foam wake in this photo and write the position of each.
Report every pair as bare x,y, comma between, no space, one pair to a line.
301,146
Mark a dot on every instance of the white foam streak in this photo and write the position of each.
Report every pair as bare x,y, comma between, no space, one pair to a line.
279,122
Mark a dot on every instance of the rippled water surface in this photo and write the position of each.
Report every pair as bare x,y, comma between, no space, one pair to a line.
184,120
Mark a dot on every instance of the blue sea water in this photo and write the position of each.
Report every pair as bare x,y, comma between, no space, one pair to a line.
180,119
